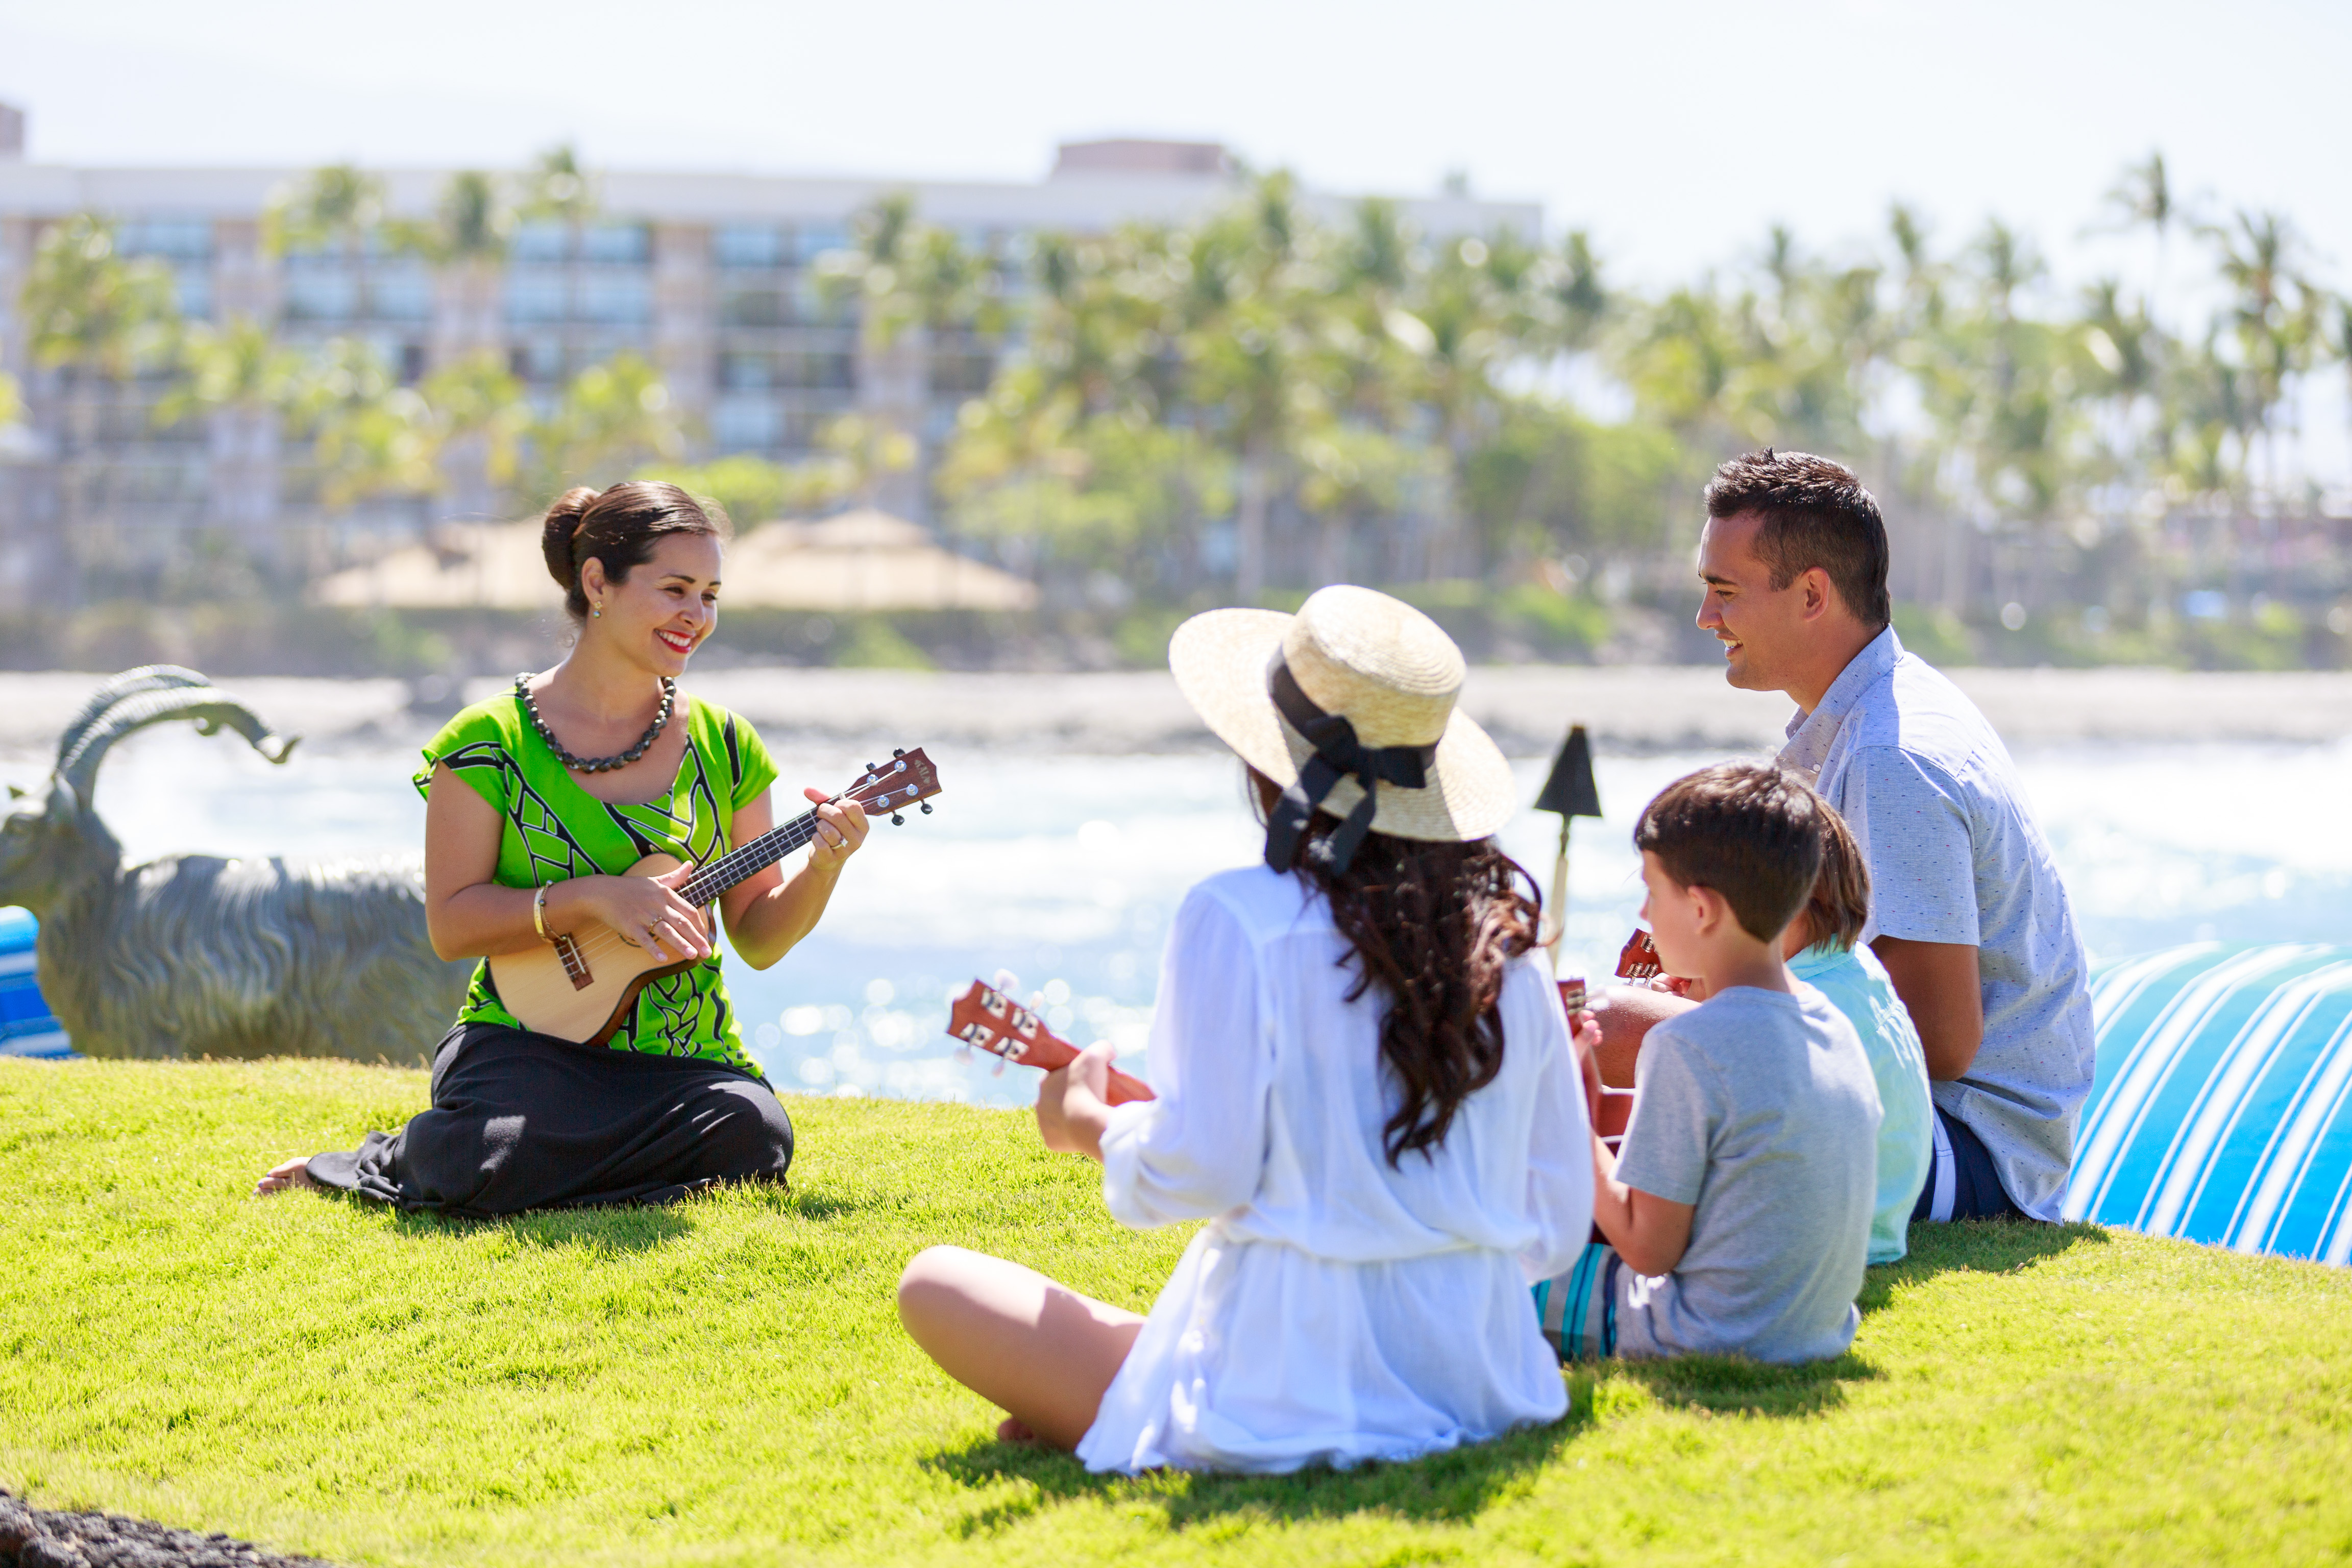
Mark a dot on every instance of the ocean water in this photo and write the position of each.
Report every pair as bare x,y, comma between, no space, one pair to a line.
1065,869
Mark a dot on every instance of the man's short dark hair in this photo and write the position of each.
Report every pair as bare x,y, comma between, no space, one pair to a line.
1815,513
1749,830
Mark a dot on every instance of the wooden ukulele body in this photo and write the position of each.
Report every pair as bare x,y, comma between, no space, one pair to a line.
583,985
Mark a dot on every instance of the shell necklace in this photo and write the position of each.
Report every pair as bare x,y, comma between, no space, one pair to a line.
596,764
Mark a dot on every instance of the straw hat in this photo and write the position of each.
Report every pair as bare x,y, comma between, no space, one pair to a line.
1377,662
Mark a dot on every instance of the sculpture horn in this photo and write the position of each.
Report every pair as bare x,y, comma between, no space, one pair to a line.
206,706
114,689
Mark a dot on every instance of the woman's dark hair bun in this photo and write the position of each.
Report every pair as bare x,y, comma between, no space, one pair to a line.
555,535
620,527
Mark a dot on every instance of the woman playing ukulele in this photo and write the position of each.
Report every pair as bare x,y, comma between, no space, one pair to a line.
536,801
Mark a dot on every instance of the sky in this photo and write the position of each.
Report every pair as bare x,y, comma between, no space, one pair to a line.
1676,133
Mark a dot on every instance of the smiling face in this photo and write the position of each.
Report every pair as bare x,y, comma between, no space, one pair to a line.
1766,632
658,615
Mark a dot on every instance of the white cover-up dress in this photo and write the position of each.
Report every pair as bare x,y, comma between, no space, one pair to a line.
1334,1310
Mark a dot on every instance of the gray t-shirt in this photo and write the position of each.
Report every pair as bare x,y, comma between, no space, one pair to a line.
1954,855
1760,1108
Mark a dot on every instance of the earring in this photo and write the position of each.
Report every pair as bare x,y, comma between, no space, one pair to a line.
598,612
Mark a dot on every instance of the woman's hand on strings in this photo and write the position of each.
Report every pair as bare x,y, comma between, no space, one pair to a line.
840,829
1074,1103
646,910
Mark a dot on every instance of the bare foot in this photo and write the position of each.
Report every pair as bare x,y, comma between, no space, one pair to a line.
293,1173
1012,1429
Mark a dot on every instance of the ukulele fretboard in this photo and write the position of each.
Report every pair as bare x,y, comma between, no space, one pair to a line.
750,859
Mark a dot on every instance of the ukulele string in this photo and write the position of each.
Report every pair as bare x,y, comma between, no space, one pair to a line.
711,880
748,859
787,839
719,876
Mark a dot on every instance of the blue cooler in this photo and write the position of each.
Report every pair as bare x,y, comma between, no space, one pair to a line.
27,1028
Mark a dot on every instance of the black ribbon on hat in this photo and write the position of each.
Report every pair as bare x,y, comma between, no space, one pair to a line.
1337,755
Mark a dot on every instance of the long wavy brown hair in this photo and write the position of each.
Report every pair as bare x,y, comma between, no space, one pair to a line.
1432,925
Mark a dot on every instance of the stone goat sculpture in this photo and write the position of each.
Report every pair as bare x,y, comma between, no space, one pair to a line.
197,954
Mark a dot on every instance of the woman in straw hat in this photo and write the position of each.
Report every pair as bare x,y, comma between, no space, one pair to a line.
1364,1082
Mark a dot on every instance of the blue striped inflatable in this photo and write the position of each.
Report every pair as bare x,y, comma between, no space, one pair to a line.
27,1027
2221,1109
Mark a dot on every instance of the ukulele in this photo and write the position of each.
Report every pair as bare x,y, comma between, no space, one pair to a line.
987,1017
1639,960
1614,1107
583,985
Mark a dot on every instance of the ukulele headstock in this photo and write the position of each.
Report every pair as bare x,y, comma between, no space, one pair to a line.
1640,959
906,779
988,1018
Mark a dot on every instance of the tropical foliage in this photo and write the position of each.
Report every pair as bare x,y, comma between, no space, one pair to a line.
1285,392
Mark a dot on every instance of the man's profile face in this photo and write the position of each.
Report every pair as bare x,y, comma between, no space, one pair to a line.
1763,629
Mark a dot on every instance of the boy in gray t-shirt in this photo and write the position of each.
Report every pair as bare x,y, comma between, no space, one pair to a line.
1738,1215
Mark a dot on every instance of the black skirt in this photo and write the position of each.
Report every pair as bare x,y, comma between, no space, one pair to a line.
528,1121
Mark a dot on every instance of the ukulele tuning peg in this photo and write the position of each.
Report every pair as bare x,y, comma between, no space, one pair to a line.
927,809
898,751
896,820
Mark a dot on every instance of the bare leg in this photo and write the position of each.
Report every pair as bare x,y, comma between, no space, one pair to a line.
1626,1014
1039,1350
292,1173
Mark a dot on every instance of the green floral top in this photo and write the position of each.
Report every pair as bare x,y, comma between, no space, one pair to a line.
555,830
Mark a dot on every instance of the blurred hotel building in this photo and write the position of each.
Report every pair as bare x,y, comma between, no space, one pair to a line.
710,277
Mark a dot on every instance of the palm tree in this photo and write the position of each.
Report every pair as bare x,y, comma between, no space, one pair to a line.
2143,198
102,322
2339,342
481,419
916,286
371,437
465,241
557,189
611,417
338,206
1478,304
2274,319
1254,309
240,376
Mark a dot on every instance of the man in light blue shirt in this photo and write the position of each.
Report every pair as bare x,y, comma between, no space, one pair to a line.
1968,913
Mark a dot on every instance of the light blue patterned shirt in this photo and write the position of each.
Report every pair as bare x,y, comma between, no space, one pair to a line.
1856,985
1954,855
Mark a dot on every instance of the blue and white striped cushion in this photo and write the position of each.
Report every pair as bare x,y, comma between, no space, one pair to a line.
2221,1109
26,1026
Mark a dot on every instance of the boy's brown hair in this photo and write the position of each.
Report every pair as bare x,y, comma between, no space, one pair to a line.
1839,906
1749,830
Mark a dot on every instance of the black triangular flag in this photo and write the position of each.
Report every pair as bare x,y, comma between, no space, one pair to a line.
1571,790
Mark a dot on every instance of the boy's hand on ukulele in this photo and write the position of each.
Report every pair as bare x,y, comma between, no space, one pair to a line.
840,829
647,911
1074,1103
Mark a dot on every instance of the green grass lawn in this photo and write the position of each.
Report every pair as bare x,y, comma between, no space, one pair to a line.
725,1382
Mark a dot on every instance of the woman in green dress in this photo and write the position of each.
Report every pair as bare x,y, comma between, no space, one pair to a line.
536,801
